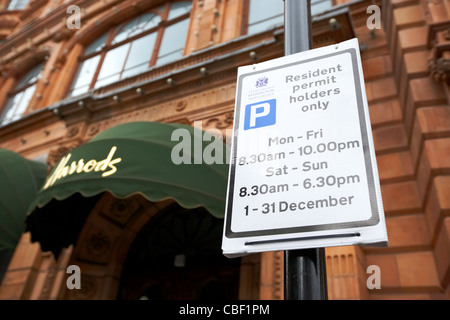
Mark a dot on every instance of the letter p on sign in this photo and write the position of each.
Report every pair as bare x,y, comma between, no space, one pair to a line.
261,114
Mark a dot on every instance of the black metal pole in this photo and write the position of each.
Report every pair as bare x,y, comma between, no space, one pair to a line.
297,26
305,275
304,270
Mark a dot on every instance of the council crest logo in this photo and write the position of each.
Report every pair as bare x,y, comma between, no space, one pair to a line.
262,82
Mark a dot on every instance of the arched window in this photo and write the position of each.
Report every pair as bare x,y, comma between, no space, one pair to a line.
267,14
20,96
154,38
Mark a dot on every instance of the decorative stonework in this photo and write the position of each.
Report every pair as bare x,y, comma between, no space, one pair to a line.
72,132
272,275
346,273
439,43
278,275
48,283
56,154
223,121
98,244
181,105
93,130
121,210
440,69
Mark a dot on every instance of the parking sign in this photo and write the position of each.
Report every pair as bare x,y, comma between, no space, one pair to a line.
303,169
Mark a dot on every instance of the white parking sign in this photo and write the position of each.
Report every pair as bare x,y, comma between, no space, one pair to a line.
303,171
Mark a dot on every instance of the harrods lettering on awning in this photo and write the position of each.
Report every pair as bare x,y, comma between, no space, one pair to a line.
129,159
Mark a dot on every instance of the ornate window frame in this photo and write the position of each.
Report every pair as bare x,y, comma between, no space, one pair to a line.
163,11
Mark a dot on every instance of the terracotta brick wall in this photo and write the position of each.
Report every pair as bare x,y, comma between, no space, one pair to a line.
411,122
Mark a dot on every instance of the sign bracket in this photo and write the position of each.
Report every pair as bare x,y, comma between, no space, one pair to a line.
341,235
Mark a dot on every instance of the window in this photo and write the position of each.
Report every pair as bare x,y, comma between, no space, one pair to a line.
264,15
154,38
320,6
267,14
17,4
20,97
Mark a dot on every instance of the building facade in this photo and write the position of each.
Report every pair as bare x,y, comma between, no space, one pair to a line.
71,70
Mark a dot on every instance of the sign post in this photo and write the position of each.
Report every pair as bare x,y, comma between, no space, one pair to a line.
304,270
303,171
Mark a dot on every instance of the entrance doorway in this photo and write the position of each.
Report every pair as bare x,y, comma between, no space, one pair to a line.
178,256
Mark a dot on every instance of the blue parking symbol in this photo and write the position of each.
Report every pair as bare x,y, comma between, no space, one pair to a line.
261,114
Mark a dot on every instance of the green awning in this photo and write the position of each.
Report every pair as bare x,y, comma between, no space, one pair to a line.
132,158
20,180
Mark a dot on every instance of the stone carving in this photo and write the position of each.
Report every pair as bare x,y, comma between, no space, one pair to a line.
278,275
121,210
93,130
56,154
72,132
223,121
181,105
48,283
440,69
98,244
439,43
